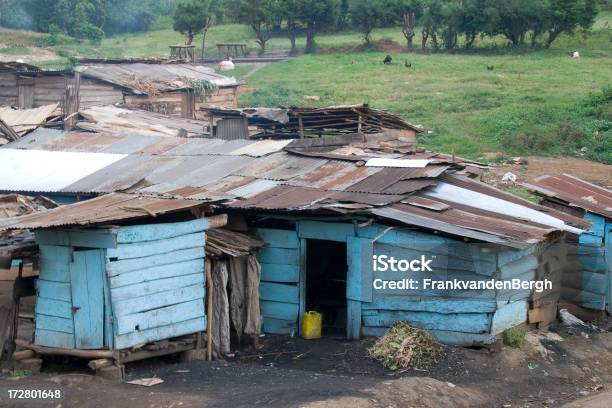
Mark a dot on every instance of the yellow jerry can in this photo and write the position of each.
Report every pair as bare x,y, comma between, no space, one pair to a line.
311,325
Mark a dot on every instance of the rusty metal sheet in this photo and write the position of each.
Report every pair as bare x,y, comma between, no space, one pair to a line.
427,203
80,142
393,181
575,192
409,186
109,208
283,198
362,198
333,175
261,148
280,166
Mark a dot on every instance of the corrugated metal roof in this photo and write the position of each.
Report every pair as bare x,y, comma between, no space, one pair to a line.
108,208
574,192
151,78
40,170
24,120
261,148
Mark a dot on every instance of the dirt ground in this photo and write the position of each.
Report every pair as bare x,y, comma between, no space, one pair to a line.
591,171
333,372
34,54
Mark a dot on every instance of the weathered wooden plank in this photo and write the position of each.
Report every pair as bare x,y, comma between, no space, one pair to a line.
583,280
445,306
443,336
56,253
109,328
510,255
277,326
53,270
49,338
134,305
160,317
278,256
77,238
359,275
353,319
278,292
594,263
118,267
156,232
159,272
160,333
52,307
518,267
86,274
54,290
162,246
599,224
279,273
54,323
278,238
325,230
156,286
590,240
584,298
509,315
279,310
462,322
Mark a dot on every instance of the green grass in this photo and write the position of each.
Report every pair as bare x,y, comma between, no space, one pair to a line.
14,51
514,337
534,102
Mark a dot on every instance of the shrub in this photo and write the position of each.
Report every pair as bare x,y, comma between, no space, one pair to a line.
514,337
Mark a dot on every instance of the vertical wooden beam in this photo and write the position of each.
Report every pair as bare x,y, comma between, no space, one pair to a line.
301,124
302,281
209,311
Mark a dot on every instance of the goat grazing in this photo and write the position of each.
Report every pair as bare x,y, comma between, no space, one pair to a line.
226,65
387,60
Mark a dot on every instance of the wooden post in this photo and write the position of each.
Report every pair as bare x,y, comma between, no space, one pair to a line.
301,124
209,311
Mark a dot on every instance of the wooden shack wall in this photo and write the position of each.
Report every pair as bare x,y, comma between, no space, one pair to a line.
226,97
153,286
8,89
167,103
49,89
458,317
586,279
97,93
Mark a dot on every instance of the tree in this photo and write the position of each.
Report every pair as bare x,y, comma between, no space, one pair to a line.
565,16
316,15
260,15
191,17
368,14
289,11
410,12
431,21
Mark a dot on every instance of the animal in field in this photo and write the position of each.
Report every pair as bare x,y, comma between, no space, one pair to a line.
226,65
387,60
575,54
353,62
491,67
407,64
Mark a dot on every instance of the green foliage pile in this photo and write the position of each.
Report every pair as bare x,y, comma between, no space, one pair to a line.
514,337
406,347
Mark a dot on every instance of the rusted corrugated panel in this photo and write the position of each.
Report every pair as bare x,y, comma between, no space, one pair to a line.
362,198
394,181
81,142
36,138
232,128
427,203
576,192
280,166
109,208
333,175
283,198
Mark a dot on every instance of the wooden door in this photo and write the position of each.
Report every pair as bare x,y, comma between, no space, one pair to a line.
86,278
25,87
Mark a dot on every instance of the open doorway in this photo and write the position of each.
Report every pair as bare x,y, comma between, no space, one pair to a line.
326,271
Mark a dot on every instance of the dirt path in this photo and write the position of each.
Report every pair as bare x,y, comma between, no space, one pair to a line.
336,373
593,172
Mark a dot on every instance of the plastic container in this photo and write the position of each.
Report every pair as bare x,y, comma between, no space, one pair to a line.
311,325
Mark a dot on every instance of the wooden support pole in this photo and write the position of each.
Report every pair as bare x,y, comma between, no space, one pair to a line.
301,124
100,363
209,311
217,221
23,354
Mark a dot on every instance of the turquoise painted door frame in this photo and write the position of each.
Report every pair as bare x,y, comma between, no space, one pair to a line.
608,255
359,274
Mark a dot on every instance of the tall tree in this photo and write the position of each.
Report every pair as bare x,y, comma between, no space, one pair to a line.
289,11
316,15
260,15
565,16
367,15
410,12
192,17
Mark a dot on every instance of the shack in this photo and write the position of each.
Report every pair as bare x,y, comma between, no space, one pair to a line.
176,89
325,207
587,279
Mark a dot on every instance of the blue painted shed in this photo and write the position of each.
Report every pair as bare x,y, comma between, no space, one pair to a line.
587,279
135,279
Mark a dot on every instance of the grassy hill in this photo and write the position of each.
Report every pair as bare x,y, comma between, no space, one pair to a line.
533,102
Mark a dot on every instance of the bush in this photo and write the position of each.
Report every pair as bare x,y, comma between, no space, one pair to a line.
404,346
514,337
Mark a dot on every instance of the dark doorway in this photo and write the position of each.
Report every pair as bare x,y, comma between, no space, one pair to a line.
326,270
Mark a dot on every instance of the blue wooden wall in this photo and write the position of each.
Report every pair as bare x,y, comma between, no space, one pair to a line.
279,291
587,280
115,288
453,316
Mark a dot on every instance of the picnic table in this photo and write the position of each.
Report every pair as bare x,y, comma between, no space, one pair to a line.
226,49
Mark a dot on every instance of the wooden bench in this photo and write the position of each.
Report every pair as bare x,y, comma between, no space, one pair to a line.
239,49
